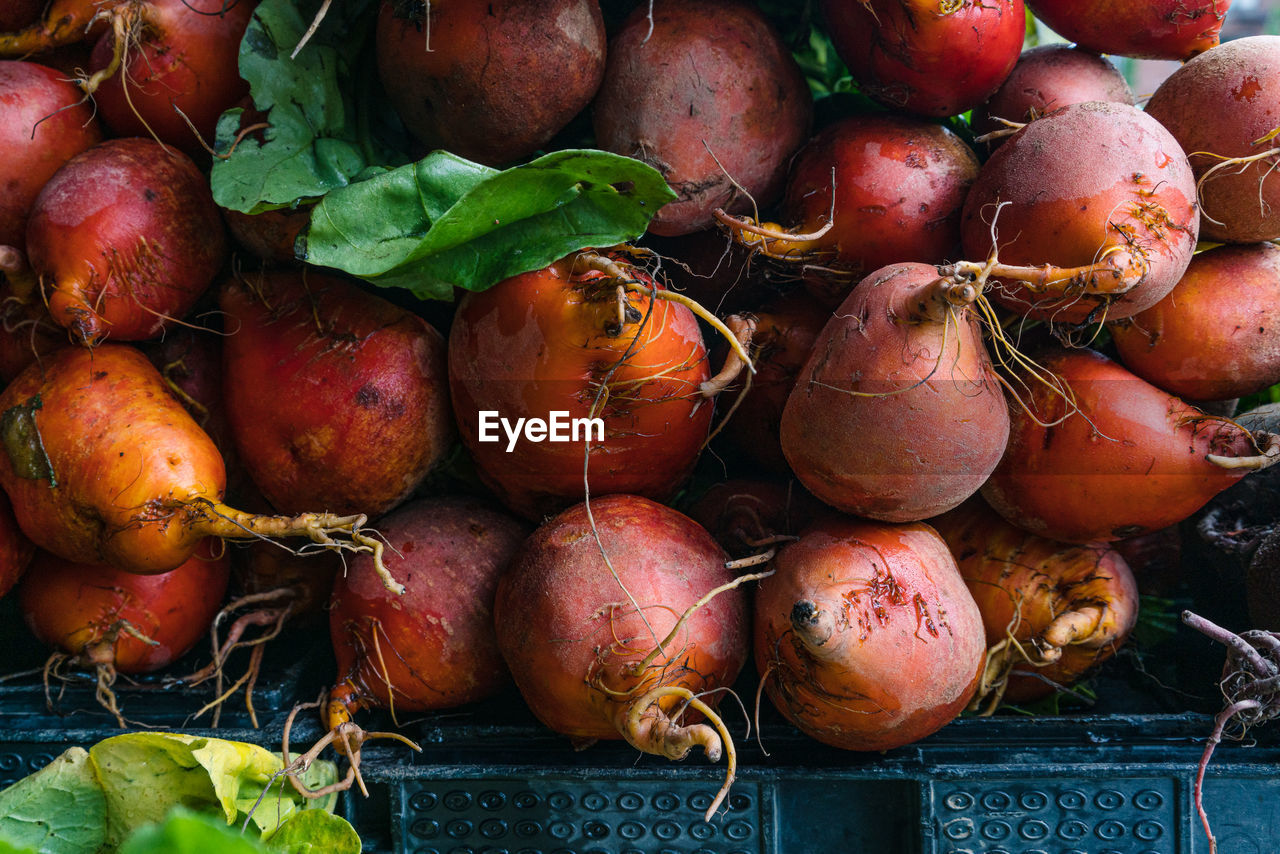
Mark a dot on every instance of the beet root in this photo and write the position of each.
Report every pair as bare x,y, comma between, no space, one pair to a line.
1148,29
434,647
867,192
706,93
490,81
43,124
898,414
638,364
167,69
1114,456
1045,78
113,622
104,466
607,623
335,396
1217,334
1223,107
866,637
1051,610
1100,234
125,237
925,57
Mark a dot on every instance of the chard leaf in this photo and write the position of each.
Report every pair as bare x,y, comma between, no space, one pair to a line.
317,108
187,832
59,809
315,832
146,774
444,222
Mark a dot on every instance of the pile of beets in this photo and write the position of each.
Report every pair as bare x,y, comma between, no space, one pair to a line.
987,323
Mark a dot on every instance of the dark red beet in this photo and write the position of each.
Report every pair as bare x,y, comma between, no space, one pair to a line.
126,238
44,122
16,14
16,550
336,397
706,93
786,328
433,647
746,515
490,81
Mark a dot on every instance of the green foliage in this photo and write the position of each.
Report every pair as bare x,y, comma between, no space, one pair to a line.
97,801
319,110
444,221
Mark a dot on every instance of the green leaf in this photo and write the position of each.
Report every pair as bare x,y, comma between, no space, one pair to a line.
146,774
318,138
316,832
444,222
59,809
187,832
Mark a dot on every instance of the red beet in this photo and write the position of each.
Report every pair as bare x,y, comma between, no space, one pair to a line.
1217,334
706,93
786,328
1091,211
16,550
1151,29
898,414
866,192
1223,107
1120,459
178,57
114,622
434,647
1048,77
126,238
336,397
490,81
44,122
924,56
748,515
866,637
590,642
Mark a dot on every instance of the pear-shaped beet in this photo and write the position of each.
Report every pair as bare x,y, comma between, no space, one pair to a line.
336,397
1114,458
104,465
897,415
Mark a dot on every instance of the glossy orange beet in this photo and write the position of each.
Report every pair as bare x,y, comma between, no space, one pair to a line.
553,340
118,458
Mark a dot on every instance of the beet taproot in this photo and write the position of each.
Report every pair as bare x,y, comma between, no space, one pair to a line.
866,637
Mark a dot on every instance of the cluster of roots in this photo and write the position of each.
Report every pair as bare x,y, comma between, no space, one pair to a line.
1250,687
